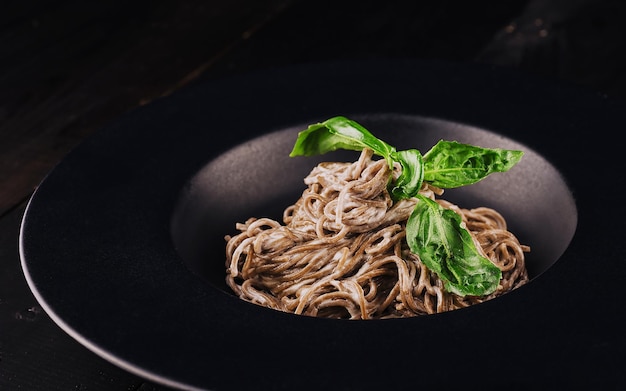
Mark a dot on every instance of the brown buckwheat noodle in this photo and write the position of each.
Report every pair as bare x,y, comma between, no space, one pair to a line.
341,251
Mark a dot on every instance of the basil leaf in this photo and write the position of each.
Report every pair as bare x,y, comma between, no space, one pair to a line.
446,248
409,182
450,164
339,133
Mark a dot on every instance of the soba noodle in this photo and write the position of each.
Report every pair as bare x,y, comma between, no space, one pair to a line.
342,253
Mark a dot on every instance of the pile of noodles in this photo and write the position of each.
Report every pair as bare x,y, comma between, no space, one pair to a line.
342,253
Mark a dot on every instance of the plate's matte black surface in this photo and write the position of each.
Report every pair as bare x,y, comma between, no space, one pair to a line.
98,239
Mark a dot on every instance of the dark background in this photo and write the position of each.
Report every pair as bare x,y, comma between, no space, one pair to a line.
69,67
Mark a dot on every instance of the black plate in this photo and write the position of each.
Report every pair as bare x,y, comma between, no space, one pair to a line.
123,242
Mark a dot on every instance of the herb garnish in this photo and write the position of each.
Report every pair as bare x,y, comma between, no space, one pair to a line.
434,233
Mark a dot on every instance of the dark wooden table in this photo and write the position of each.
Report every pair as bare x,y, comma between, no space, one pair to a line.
68,67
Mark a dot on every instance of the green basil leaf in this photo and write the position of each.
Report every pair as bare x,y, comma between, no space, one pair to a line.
342,133
450,164
339,133
409,182
446,248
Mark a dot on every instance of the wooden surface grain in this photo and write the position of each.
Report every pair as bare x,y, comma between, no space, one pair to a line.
68,67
